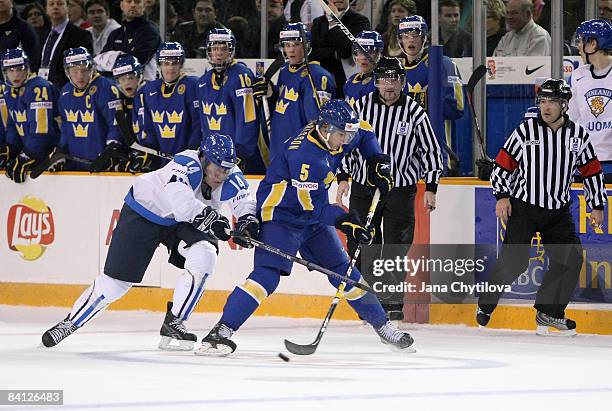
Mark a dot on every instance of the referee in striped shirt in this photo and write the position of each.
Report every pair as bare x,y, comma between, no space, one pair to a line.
531,180
410,146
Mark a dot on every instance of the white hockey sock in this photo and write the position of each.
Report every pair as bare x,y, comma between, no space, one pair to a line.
97,297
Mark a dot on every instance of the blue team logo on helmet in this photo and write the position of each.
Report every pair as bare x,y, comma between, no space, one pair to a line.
15,59
296,32
600,30
223,37
170,51
338,115
412,24
219,150
75,57
371,41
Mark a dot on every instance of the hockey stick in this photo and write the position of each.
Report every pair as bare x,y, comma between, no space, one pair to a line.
274,67
312,84
308,349
476,76
44,165
305,263
126,132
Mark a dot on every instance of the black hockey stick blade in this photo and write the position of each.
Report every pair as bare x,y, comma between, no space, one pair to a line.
308,349
274,67
125,127
298,349
476,76
44,165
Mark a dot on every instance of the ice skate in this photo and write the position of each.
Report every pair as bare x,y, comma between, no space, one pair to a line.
482,318
58,332
175,336
560,327
399,340
217,343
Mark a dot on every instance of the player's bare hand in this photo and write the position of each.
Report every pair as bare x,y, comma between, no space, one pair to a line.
503,209
429,201
333,7
597,218
343,190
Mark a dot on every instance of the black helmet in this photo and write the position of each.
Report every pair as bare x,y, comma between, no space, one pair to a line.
555,88
389,67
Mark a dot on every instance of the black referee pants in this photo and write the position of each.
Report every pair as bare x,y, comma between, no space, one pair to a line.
395,215
562,247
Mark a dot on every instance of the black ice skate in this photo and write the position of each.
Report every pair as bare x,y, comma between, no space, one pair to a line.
58,332
175,336
482,318
217,343
548,325
398,339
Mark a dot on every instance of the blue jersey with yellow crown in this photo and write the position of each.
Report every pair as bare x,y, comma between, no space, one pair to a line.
296,104
228,107
357,86
30,112
88,117
417,79
170,120
294,190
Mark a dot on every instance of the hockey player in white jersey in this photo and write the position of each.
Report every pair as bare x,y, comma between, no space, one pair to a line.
176,206
592,88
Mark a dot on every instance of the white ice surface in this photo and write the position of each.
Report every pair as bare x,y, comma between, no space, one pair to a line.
113,364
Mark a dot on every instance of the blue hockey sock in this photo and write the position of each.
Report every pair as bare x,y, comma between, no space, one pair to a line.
368,307
239,307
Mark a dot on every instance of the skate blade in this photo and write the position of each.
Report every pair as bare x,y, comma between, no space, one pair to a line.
394,348
547,331
170,344
206,349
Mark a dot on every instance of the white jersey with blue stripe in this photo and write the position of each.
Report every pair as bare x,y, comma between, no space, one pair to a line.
173,193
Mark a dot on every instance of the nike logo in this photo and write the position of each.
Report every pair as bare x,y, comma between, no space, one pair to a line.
529,72
578,79
201,85
65,92
152,94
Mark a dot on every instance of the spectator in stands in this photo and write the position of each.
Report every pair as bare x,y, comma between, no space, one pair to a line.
303,10
330,45
16,32
526,38
192,34
149,8
76,13
171,18
605,9
457,42
398,10
102,25
63,36
34,14
276,22
496,23
137,36
247,39
422,8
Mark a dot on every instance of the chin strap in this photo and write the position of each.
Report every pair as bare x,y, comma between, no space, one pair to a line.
323,140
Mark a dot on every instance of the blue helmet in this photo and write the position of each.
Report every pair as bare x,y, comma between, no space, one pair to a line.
339,116
296,32
532,112
600,30
219,150
414,23
127,65
78,56
371,41
14,59
224,37
170,51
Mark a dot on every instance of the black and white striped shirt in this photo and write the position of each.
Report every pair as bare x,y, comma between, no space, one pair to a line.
405,134
536,165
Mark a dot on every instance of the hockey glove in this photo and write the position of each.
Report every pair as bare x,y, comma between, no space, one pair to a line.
261,88
246,226
484,168
60,163
5,157
221,228
109,158
379,173
351,225
135,163
17,169
210,221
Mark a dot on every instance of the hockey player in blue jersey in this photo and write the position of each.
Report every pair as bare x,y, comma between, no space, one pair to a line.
176,206
31,132
226,95
128,74
171,121
87,106
412,38
296,101
295,214
362,83
5,150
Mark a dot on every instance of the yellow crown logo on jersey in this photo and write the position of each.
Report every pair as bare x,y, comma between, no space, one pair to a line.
417,88
72,116
166,131
214,124
135,127
80,131
291,95
158,116
207,108
20,116
175,117
87,116
281,107
221,109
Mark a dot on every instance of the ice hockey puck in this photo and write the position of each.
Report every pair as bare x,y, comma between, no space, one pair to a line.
283,357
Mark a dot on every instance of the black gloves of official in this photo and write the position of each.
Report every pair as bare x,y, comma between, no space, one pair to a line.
210,221
351,225
484,168
379,173
246,226
261,87
17,168
109,158
5,155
